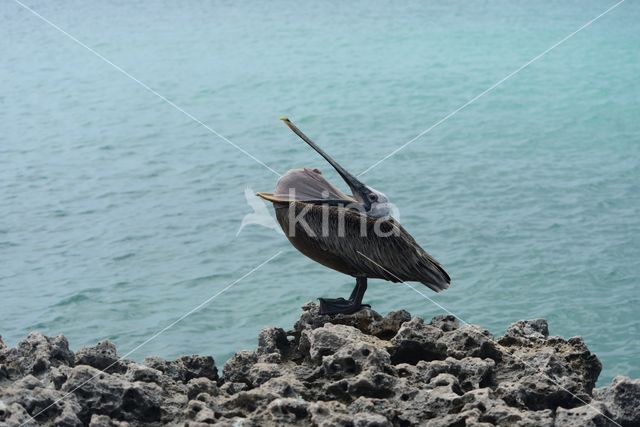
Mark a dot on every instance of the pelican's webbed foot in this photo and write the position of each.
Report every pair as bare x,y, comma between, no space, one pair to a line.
339,306
346,306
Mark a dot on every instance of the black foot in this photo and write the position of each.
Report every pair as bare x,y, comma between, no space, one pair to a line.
339,306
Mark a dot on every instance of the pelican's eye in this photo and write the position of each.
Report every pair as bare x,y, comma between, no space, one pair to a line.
373,197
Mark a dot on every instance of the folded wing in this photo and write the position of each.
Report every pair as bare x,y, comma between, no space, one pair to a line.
372,247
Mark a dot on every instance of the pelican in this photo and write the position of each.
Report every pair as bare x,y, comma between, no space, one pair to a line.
353,234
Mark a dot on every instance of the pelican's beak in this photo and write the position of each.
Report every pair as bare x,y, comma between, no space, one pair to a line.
270,197
359,190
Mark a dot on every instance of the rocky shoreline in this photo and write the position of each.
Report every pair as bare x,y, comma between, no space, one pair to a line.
347,370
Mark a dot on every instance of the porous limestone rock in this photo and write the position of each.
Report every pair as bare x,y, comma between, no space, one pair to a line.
358,370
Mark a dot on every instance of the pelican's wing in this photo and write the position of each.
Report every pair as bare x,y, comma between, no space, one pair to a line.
385,250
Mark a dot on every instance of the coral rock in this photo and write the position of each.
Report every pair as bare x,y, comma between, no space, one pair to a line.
357,370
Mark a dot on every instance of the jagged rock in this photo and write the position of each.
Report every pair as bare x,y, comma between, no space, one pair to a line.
14,414
102,356
353,358
446,322
416,341
326,340
358,370
185,368
471,418
383,407
367,383
542,372
285,386
371,420
246,402
365,320
472,372
171,369
526,330
44,404
584,416
58,376
273,340
288,410
621,398
103,393
238,366
490,408
105,421
326,414
136,372
35,355
4,372
198,411
67,419
470,341
260,373
231,388
389,325
199,367
196,386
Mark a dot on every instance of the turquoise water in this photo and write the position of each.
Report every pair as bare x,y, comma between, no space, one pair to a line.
119,214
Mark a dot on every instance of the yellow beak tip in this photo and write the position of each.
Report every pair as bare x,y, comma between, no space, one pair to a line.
284,118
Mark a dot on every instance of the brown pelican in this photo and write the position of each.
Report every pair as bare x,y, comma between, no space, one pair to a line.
354,235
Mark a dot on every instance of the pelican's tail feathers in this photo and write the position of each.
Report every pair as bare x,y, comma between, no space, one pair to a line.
434,276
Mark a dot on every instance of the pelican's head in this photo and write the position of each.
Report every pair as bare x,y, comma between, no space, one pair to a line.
379,205
373,202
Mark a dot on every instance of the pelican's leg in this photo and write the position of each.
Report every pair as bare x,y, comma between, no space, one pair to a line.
359,290
343,306
354,292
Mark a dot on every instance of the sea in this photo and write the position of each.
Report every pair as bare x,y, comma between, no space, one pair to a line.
134,135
